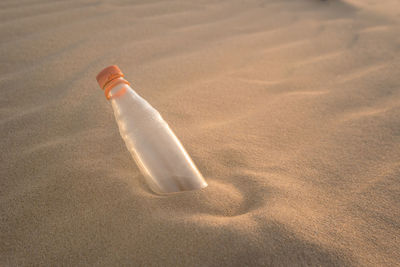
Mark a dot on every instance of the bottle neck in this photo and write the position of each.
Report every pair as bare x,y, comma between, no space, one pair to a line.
111,84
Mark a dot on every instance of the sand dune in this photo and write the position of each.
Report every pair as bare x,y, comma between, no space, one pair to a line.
290,109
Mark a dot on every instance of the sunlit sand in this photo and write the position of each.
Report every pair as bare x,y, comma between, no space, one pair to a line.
290,110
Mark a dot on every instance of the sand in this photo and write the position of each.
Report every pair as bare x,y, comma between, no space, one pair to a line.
290,109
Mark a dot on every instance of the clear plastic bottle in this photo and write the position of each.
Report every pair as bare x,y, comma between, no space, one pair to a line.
163,161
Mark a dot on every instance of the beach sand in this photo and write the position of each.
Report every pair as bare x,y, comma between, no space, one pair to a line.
290,109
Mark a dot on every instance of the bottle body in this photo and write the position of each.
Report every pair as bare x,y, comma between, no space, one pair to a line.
160,156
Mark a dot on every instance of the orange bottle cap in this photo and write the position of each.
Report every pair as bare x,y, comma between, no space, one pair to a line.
108,74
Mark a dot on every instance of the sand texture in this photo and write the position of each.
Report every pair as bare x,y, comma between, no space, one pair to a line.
290,109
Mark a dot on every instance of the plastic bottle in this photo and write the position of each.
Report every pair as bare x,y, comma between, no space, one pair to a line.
160,156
